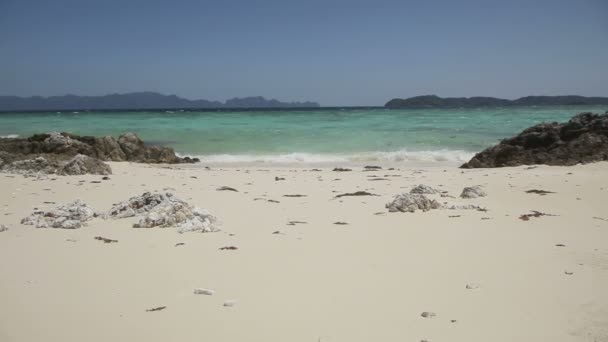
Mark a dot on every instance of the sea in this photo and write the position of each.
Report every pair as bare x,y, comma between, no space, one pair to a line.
323,136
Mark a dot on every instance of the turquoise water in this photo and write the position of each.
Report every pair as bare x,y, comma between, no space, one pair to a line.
305,136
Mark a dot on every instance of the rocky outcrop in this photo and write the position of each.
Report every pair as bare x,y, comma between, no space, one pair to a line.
67,154
69,216
81,165
407,202
128,147
583,139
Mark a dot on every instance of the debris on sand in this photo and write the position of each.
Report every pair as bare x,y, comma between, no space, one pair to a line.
472,192
407,202
427,314
539,192
279,178
341,169
3,228
526,217
105,240
158,308
357,193
207,292
340,223
228,248
296,195
372,168
230,303
226,188
68,216
293,223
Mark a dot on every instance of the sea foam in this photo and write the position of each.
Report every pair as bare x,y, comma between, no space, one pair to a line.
398,157
10,136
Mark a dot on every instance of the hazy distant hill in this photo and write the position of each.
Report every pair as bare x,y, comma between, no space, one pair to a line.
434,101
142,100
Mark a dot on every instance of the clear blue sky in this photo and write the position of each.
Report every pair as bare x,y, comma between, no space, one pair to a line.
333,52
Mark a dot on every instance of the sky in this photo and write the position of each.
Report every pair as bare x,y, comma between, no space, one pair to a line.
338,53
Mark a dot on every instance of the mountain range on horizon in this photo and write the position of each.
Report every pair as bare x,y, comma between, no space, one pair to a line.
137,100
434,101
153,100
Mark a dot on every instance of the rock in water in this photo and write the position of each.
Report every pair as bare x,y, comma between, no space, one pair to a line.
472,192
137,205
135,150
583,139
69,216
424,189
81,165
411,202
63,146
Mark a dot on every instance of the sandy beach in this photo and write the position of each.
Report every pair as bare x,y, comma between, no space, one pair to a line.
485,275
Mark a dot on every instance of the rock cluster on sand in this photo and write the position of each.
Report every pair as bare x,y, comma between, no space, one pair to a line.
165,210
157,210
472,192
176,213
137,205
417,199
407,202
69,216
65,153
583,139
424,189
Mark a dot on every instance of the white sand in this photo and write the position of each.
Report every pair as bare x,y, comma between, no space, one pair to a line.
369,280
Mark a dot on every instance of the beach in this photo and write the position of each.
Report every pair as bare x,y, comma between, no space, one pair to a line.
296,275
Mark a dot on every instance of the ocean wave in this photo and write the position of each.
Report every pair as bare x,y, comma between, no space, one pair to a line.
402,156
10,136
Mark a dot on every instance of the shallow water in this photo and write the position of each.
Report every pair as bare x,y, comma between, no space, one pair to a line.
312,136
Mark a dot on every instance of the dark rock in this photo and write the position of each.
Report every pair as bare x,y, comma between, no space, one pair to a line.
583,139
63,146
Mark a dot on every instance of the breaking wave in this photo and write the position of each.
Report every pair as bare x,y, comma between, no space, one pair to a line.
401,156
10,136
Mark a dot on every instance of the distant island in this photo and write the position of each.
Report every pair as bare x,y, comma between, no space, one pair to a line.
140,100
434,101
